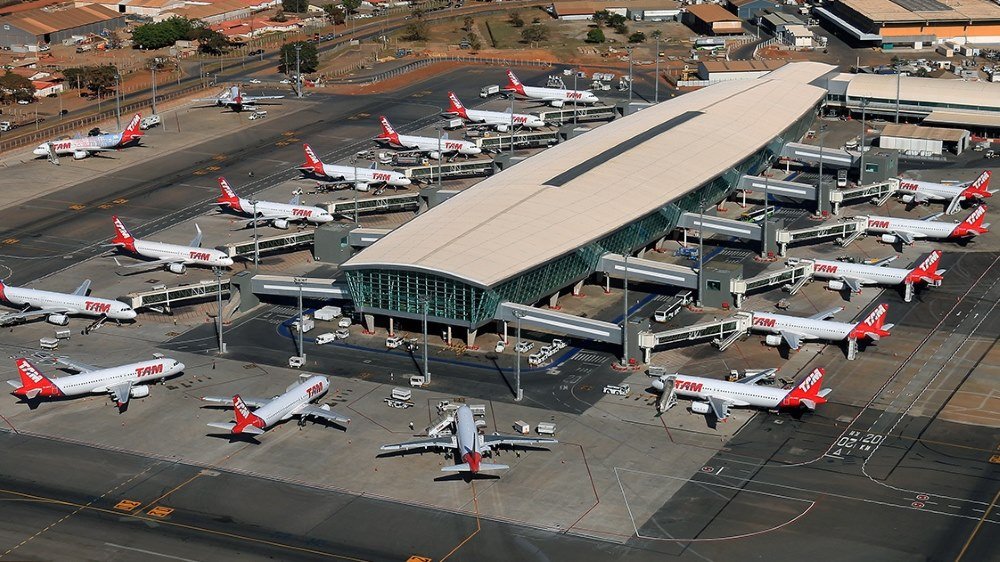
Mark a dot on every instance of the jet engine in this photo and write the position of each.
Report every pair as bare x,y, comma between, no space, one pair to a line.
280,223
79,154
502,128
556,103
889,238
772,340
140,391
58,319
835,285
434,155
700,407
178,268
361,186
907,199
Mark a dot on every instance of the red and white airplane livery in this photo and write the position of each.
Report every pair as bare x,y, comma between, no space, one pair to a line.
296,401
360,178
895,229
469,444
122,383
427,145
499,120
915,191
794,330
236,100
278,214
556,97
717,397
854,276
176,258
83,147
58,307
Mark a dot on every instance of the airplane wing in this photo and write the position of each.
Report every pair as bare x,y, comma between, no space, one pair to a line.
754,378
883,261
720,407
853,284
251,99
75,365
311,410
906,237
4,318
448,442
228,400
297,200
497,439
196,241
81,291
826,313
149,264
954,204
932,217
793,339
121,392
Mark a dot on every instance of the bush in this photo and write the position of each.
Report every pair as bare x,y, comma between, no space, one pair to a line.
308,57
621,29
161,34
637,37
535,34
595,35
417,29
295,6
515,19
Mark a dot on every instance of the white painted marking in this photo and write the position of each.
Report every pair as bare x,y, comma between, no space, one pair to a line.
150,552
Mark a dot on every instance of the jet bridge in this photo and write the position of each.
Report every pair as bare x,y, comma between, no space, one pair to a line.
846,231
449,170
287,286
270,244
522,139
164,297
879,193
832,157
780,188
387,204
719,225
364,237
583,113
724,331
554,322
648,271
793,276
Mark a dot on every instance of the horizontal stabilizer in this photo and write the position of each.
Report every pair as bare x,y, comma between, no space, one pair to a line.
15,384
464,467
824,392
228,426
252,430
808,403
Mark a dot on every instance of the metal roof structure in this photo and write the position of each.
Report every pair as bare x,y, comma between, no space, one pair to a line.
42,21
583,189
983,95
924,11
908,131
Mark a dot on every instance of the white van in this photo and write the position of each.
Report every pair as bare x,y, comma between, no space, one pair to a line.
325,338
344,323
149,122
392,342
617,389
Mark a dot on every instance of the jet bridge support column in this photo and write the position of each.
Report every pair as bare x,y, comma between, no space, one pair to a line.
822,197
392,325
503,330
852,349
470,339
578,289
607,284
369,322
554,301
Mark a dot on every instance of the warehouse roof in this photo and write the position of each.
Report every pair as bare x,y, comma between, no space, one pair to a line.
907,131
921,11
42,21
969,119
984,95
711,13
742,65
588,187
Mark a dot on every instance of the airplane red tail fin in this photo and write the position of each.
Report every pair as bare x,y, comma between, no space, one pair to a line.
132,131
973,224
980,187
388,132
513,83
809,392
244,417
3,296
927,270
312,161
122,235
228,197
33,382
873,326
456,106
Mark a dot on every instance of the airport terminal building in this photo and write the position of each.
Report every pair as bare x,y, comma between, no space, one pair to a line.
542,225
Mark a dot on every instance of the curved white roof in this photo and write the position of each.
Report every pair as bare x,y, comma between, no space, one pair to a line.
933,90
588,187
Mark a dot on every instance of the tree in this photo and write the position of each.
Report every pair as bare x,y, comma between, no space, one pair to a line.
614,20
335,13
515,19
595,35
16,87
474,43
535,34
637,37
600,16
161,34
417,29
308,57
295,6
621,29
279,15
351,5
467,24
210,41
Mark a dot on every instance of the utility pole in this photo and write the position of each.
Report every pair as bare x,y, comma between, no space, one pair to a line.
576,71
427,370
625,316
438,130
898,78
298,70
763,248
656,78
218,287
256,244
518,393
302,350
511,125
118,105
154,86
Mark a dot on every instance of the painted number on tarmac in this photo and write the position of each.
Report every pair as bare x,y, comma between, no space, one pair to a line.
127,505
856,441
160,511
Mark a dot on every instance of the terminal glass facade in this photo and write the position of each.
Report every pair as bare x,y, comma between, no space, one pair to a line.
456,302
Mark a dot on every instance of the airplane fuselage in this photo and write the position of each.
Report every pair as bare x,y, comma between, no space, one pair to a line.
366,175
432,145
273,210
183,254
285,406
812,329
77,305
917,228
560,95
701,388
867,274
467,438
495,118
101,380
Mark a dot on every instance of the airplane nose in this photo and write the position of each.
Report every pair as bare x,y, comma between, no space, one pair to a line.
475,150
325,217
179,366
403,181
129,314
40,151
226,262
657,384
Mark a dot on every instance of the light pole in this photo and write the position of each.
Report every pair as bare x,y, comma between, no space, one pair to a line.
256,244
763,248
427,370
576,71
298,70
861,172
625,316
898,75
437,129
630,74
354,162
656,77
511,123
118,105
518,393
218,319
153,70
302,350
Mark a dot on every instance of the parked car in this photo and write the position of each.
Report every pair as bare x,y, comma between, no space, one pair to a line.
501,345
255,81
524,346
342,333
344,323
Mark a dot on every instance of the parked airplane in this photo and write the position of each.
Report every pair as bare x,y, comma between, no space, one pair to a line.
83,147
717,397
556,97
176,258
296,401
907,231
500,120
793,330
924,191
469,443
361,178
122,383
278,214
427,145
58,307
236,100
853,276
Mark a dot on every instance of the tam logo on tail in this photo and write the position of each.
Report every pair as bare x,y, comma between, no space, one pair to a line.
229,197
33,382
973,224
928,268
809,392
132,131
387,131
872,325
122,236
244,417
456,105
514,83
982,183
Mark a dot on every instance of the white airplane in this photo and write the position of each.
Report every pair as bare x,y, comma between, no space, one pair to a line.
854,276
122,383
58,307
362,178
793,330
924,191
176,258
278,214
500,120
469,443
234,99
907,231
83,147
427,145
556,97
296,401
717,397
